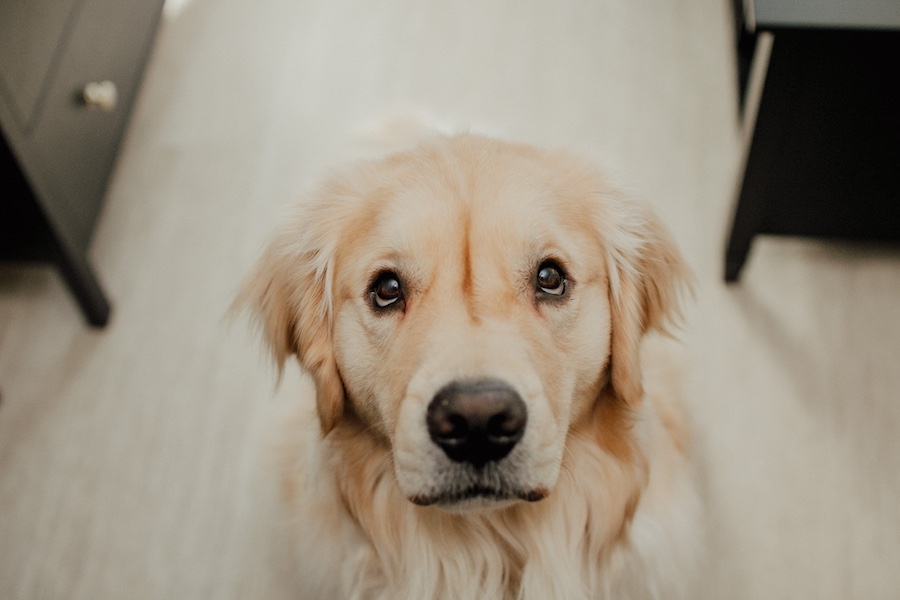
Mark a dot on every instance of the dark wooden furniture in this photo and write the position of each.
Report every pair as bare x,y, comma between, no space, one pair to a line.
60,133
824,158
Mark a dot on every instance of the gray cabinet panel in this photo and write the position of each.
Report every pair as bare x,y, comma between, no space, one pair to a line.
32,35
75,145
867,14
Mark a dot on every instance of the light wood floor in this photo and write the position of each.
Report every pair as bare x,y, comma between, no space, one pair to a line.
132,459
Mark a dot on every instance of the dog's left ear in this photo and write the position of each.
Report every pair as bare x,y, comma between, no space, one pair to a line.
647,276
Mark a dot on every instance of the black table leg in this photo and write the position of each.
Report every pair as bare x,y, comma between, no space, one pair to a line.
83,284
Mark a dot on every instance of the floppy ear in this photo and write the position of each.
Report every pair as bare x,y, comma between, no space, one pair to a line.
289,291
646,278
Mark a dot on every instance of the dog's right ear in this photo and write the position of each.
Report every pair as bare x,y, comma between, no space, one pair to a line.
289,293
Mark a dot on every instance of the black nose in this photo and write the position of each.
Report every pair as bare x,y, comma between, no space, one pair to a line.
476,422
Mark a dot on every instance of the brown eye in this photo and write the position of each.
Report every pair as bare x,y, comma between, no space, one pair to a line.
386,291
551,279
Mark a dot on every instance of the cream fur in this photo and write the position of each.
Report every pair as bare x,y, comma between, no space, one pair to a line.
464,220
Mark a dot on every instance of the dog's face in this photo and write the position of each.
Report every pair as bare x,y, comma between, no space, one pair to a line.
468,303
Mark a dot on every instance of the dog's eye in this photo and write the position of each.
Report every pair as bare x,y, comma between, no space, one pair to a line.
551,279
386,291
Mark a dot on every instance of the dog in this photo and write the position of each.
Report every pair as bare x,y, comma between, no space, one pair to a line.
486,423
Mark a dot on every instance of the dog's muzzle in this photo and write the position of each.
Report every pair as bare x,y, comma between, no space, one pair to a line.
476,422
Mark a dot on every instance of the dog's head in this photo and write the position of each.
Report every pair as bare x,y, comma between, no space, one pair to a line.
468,303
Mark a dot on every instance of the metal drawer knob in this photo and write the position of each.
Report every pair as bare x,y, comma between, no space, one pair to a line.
102,95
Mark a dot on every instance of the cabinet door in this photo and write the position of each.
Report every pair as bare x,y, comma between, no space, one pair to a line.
67,149
32,35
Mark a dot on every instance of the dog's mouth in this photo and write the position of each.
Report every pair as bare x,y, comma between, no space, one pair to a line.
478,496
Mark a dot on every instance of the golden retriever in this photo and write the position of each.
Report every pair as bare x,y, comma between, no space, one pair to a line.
471,313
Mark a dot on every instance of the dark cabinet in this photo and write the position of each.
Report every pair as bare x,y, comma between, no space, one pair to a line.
824,153
69,73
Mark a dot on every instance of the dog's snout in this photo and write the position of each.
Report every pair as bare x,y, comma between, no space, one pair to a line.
476,422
